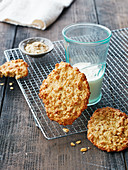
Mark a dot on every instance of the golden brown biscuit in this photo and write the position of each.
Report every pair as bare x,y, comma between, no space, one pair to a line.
14,68
65,93
108,129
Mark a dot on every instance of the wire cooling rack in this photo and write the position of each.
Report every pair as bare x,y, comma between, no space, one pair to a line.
114,88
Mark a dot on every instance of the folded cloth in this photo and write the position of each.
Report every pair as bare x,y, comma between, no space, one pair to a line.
34,13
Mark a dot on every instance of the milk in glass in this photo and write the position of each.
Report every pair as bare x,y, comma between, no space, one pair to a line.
94,75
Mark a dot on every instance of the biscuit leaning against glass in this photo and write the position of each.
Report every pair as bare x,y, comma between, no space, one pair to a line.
65,93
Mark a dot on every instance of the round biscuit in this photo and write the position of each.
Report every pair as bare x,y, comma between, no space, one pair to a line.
108,129
65,93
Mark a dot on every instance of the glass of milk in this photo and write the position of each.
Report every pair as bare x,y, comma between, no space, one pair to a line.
86,47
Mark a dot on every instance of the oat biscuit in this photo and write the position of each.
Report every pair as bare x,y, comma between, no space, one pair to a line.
65,93
14,68
108,129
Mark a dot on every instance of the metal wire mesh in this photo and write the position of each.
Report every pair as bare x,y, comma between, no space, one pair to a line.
114,89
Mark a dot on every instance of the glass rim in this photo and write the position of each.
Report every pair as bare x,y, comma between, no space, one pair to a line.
86,24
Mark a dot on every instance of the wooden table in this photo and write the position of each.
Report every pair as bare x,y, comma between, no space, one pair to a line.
22,145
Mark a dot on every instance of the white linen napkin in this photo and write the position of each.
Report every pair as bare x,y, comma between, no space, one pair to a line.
33,13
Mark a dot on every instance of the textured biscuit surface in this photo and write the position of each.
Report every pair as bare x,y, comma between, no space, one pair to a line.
108,129
65,93
14,68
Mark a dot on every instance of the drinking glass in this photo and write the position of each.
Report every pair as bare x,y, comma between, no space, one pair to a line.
86,46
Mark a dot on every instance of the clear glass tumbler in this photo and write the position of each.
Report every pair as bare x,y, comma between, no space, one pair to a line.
86,47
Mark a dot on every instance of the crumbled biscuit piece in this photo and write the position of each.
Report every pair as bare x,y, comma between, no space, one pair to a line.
108,129
83,149
66,130
72,144
10,84
14,68
78,142
89,148
11,88
65,93
1,84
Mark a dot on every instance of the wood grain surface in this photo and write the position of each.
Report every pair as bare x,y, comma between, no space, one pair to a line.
7,35
22,145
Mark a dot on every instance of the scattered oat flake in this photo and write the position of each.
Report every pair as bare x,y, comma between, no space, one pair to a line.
1,84
83,149
26,154
66,130
11,88
10,84
72,144
78,142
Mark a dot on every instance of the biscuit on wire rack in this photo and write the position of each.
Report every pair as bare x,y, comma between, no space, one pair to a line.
14,68
65,93
108,129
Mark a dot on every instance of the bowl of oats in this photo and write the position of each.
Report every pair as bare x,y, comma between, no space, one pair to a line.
36,46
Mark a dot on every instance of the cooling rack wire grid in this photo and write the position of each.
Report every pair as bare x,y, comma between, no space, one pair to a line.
114,88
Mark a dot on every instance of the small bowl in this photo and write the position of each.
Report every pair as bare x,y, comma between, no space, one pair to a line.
46,41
